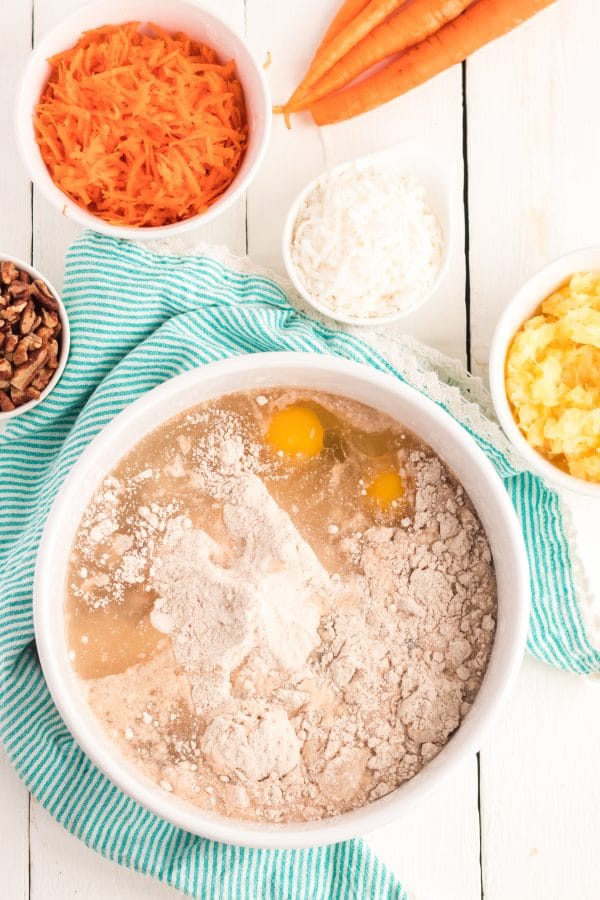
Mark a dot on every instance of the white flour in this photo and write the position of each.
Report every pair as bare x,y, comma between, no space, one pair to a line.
262,591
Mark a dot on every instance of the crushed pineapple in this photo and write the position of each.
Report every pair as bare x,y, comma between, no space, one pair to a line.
553,377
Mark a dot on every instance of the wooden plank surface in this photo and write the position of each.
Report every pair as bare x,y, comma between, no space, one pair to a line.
533,176
532,152
62,868
14,834
15,238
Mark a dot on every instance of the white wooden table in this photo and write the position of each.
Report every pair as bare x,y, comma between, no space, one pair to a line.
519,129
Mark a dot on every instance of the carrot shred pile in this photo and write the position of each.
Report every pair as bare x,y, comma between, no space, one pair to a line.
141,128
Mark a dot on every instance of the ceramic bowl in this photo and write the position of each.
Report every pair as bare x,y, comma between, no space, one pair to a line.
408,158
173,15
263,371
64,339
522,306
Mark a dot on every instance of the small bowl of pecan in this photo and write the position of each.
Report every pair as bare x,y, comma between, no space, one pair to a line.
34,337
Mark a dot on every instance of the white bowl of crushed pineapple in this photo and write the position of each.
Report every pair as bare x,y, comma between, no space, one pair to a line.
368,241
543,372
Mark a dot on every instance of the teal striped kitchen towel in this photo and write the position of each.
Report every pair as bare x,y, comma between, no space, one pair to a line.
138,318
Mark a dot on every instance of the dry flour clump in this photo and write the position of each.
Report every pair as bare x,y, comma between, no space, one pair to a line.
263,590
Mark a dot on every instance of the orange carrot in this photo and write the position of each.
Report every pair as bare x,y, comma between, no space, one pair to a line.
410,25
141,128
375,12
347,11
478,25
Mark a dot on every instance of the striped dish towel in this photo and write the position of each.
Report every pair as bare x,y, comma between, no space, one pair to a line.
137,318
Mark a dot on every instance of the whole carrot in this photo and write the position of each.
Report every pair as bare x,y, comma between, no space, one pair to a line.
410,25
347,11
374,12
478,25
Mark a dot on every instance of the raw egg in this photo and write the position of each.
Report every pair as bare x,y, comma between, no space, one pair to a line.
296,431
385,488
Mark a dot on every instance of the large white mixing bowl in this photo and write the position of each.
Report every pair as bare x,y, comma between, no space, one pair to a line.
361,383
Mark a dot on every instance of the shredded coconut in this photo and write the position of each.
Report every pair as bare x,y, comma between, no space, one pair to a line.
366,243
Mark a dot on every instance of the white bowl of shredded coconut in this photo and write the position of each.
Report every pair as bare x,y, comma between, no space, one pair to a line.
367,242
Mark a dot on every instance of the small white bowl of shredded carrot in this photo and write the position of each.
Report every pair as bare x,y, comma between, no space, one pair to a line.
142,118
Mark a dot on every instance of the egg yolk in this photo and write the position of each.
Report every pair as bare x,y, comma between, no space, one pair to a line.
296,431
385,488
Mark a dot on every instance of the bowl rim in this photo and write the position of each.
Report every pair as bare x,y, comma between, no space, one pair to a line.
410,146
519,309
65,335
27,146
66,695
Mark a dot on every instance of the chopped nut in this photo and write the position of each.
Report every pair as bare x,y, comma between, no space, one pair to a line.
11,342
26,344
8,272
19,397
28,318
19,291
6,403
45,334
50,319
5,369
12,313
20,356
53,350
42,291
42,378
24,375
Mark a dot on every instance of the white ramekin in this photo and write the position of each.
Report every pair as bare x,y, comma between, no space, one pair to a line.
263,371
409,158
65,339
522,306
173,15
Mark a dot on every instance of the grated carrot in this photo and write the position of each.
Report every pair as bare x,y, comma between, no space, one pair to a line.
140,127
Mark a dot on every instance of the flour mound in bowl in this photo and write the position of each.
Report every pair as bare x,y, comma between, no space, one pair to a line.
280,606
